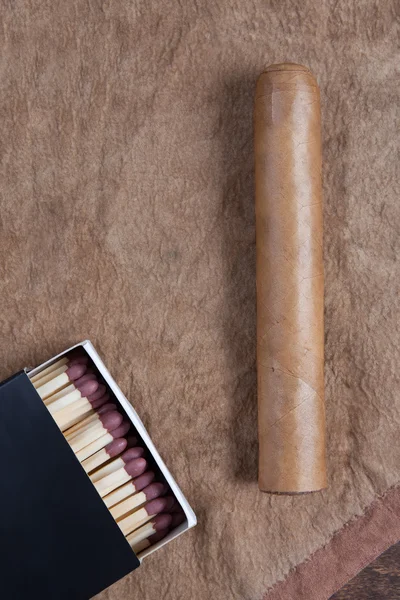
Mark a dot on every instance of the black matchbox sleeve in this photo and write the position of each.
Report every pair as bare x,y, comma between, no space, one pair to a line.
58,541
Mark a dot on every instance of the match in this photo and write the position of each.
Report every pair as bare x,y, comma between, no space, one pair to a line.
103,441
150,541
59,380
117,463
132,469
73,413
151,492
102,456
48,373
158,524
80,390
70,388
79,427
105,424
130,488
144,514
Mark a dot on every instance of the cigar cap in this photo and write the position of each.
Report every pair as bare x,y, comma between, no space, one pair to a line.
284,77
287,66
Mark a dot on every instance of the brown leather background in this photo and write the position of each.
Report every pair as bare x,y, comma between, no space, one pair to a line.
127,216
290,280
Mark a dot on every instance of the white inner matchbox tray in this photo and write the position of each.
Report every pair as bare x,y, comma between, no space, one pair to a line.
137,423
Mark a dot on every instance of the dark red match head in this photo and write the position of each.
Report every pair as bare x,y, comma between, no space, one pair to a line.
75,372
154,490
78,359
100,391
121,431
177,519
136,467
111,420
100,402
85,377
132,453
159,505
106,408
144,480
115,447
87,388
161,522
159,535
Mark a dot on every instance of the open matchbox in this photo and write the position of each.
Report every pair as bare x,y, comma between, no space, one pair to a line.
58,539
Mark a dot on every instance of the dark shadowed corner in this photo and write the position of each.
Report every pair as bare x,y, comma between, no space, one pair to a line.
239,312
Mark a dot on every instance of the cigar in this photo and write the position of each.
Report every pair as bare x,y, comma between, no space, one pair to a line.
83,424
106,423
150,541
132,469
151,492
48,373
144,514
290,331
103,441
80,390
130,488
73,413
102,456
58,381
157,524
117,463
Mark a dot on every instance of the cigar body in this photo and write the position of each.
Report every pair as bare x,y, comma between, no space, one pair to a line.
290,332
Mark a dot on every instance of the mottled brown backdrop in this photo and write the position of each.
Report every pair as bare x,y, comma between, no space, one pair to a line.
127,217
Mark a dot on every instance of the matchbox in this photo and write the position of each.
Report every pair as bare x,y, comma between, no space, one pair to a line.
87,496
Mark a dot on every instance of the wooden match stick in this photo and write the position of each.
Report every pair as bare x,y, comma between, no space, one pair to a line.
144,514
75,412
70,415
106,423
132,469
110,451
50,371
151,492
150,541
159,523
82,425
102,442
84,390
130,488
117,463
59,363
59,381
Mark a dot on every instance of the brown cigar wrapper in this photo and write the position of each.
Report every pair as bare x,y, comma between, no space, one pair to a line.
290,330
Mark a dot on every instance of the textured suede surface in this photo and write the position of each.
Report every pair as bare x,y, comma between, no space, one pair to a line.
127,216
